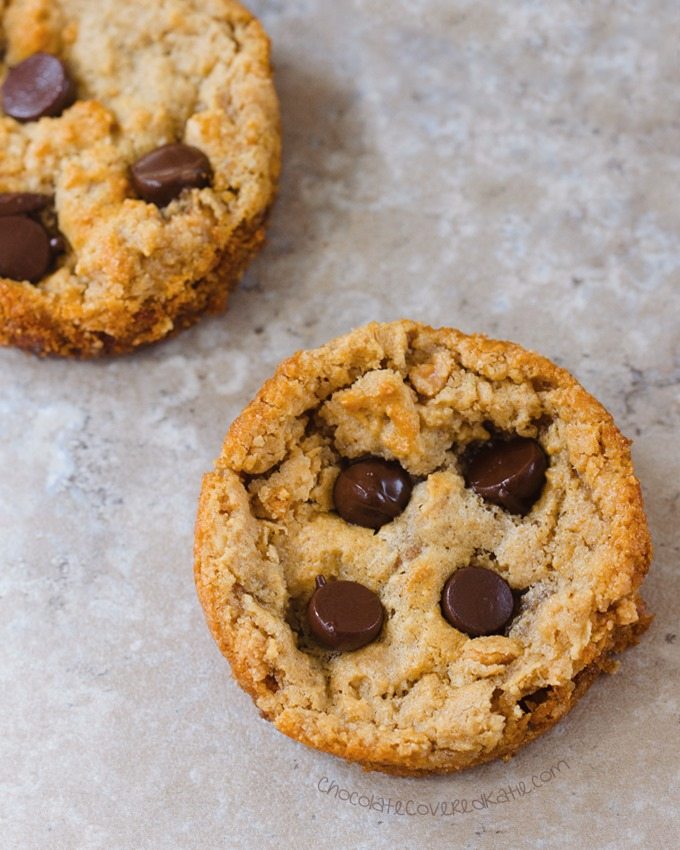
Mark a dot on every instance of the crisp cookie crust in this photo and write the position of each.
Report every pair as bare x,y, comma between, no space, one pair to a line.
423,697
147,74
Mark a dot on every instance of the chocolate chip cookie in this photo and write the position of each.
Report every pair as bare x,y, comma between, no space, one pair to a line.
139,155
419,548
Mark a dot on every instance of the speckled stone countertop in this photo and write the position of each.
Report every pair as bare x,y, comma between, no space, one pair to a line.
505,168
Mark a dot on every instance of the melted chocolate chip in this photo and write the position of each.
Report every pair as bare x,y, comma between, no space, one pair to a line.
509,473
24,249
344,615
22,203
37,87
477,601
160,176
371,492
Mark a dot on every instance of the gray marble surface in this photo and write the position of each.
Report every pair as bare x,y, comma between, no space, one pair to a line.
505,168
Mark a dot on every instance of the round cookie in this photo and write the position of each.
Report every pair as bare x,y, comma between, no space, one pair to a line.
507,576
151,132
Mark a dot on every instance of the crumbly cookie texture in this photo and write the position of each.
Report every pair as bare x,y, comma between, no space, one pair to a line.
147,74
423,697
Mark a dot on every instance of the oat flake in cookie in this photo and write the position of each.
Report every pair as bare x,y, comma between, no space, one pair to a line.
507,572
150,131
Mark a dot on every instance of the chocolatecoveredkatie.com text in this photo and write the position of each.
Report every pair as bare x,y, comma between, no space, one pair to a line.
442,808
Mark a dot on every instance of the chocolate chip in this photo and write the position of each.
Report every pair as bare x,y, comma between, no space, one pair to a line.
161,175
37,87
24,249
57,244
477,601
371,492
510,473
344,615
22,203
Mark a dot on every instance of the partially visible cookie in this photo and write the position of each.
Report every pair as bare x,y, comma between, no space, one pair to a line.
147,135
418,548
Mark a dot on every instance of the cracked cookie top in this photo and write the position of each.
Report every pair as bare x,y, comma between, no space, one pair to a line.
423,694
134,261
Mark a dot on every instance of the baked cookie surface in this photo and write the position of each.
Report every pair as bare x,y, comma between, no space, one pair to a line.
430,691
135,259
